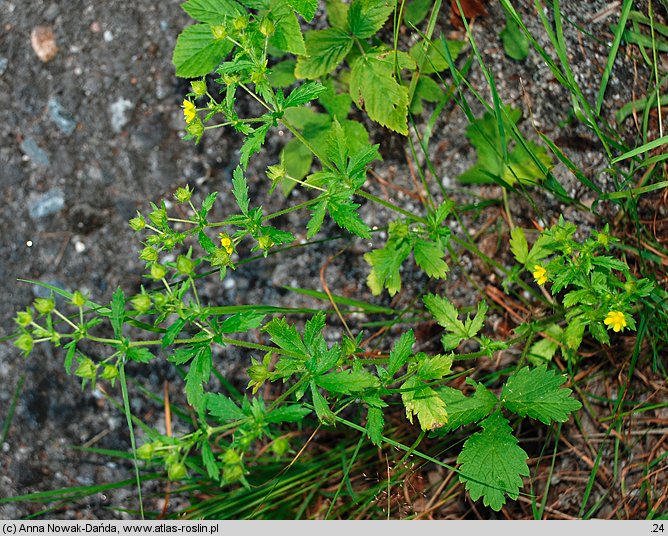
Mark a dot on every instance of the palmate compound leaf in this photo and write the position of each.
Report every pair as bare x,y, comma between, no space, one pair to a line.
537,393
492,464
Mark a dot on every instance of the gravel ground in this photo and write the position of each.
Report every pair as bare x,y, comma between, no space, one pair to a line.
94,134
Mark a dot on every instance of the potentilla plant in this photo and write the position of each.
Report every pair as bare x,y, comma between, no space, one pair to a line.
242,43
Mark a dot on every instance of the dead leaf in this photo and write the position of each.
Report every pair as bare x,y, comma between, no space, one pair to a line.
472,9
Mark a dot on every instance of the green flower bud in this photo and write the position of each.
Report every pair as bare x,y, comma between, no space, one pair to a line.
86,369
230,457
265,242
276,172
24,343
160,300
280,446
196,128
138,223
240,23
230,79
199,87
145,452
159,217
232,473
258,77
149,254
267,27
44,305
109,372
23,318
184,194
220,257
219,32
78,299
176,471
184,265
141,302
158,271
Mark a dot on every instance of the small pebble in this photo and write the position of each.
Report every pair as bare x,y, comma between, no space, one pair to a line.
118,112
3,65
50,202
79,246
108,36
34,152
60,117
43,42
95,27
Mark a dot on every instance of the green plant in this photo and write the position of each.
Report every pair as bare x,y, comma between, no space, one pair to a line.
325,384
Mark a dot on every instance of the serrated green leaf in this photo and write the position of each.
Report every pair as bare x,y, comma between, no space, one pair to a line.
209,461
605,261
197,52
303,94
515,43
544,349
282,74
312,330
492,464
198,374
434,368
212,11
207,204
347,381
318,212
429,256
253,143
366,17
289,413
69,357
537,392
285,336
140,355
424,402
173,331
241,322
462,409
474,325
288,34
385,264
240,190
374,425
325,50
518,245
400,353
337,148
336,104
297,161
321,407
416,11
117,312
306,8
445,314
337,14
574,333
206,243
344,212
374,89
182,355
223,407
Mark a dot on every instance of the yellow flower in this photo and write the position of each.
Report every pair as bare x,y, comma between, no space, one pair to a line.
540,274
189,111
226,242
615,319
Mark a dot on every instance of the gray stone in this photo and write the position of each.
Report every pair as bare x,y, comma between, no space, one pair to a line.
34,152
48,203
118,114
3,65
60,117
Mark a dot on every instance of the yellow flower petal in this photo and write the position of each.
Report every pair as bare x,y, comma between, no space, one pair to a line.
189,111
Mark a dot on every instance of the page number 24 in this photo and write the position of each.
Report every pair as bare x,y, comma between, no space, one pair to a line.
657,527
